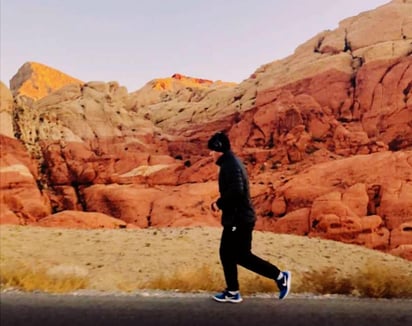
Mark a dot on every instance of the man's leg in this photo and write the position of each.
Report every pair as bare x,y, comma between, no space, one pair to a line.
250,261
228,257
260,266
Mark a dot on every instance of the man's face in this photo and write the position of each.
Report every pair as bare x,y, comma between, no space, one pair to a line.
215,155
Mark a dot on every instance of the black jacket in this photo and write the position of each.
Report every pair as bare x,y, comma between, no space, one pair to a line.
234,201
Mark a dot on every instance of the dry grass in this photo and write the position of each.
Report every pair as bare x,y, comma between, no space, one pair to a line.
186,259
373,280
32,279
379,281
208,279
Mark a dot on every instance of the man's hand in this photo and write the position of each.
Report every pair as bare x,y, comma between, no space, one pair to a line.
214,207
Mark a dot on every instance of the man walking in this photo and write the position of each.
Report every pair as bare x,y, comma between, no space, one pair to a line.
238,220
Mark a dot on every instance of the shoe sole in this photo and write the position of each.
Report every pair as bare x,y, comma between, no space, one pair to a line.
288,283
227,300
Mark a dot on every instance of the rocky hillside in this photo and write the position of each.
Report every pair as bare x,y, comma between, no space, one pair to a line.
326,135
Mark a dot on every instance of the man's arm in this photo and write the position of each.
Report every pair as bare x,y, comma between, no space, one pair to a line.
232,188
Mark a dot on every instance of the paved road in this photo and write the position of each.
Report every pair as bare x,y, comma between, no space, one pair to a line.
198,310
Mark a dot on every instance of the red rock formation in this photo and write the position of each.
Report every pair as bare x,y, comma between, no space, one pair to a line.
160,206
326,135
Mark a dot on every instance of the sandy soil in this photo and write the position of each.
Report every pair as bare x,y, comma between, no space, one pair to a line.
118,259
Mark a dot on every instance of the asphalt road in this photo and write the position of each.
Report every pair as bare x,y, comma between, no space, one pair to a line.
198,310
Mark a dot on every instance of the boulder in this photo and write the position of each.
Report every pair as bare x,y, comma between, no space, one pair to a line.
20,194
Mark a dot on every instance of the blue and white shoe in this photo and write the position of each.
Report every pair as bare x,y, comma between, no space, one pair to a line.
226,296
284,284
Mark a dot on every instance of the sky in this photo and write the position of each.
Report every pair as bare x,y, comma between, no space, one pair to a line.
135,41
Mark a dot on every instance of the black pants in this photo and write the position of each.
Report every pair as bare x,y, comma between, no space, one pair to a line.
235,249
